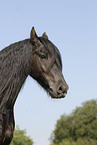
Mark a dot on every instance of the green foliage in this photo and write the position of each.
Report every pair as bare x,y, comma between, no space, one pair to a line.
80,141
79,128
67,142
20,138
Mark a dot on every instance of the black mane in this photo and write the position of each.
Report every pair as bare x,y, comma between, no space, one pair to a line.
13,61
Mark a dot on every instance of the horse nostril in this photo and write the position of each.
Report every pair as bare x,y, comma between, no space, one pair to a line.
61,89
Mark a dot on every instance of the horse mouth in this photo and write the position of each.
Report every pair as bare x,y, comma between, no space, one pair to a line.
56,96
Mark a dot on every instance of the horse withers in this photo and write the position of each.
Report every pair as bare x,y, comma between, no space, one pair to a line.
37,57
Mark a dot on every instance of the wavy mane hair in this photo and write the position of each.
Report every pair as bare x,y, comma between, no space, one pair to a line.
14,60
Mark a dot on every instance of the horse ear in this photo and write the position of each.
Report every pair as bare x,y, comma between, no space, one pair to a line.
45,35
33,35
34,38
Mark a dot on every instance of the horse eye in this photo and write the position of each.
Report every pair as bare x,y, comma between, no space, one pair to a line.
42,56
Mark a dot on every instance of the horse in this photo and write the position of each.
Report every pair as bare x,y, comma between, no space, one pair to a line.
37,57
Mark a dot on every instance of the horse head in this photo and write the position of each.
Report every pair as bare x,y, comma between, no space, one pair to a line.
47,66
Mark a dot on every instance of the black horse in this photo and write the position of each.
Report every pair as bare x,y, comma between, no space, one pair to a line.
37,57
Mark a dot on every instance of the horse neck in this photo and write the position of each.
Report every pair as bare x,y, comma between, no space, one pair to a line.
16,65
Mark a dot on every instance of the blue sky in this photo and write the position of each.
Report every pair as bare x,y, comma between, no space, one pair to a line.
72,26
